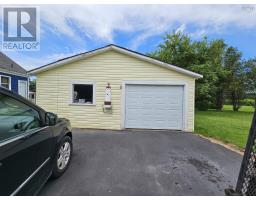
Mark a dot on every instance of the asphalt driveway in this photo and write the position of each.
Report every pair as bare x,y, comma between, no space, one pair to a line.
145,163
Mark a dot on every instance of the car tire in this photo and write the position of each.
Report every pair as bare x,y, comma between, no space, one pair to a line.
60,165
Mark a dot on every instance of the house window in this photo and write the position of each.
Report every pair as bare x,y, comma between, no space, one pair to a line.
83,94
5,81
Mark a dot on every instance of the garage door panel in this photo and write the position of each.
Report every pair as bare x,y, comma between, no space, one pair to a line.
154,107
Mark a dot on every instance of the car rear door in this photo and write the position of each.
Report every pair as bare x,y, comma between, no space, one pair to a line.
25,147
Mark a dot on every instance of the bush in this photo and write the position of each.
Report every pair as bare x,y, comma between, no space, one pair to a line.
248,102
202,105
227,102
244,102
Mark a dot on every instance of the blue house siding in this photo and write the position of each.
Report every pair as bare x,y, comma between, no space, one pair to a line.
14,80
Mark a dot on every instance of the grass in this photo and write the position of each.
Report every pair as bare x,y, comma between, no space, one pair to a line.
227,126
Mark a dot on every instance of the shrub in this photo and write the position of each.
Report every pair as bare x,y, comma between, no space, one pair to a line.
202,105
248,102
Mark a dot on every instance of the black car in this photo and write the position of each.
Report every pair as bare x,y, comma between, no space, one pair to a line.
34,145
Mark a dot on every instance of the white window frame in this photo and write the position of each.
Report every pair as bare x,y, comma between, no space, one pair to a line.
82,83
10,81
19,81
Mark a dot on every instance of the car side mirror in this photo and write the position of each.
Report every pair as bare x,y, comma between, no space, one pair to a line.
50,119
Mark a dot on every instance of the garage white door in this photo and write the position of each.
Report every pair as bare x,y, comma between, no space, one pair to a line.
154,106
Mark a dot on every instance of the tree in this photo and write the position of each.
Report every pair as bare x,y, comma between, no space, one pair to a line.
176,49
250,82
221,66
205,88
201,56
215,57
204,64
235,77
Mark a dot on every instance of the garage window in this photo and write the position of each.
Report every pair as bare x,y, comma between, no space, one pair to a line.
83,93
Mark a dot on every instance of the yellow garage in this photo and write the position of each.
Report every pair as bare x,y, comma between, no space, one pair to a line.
116,88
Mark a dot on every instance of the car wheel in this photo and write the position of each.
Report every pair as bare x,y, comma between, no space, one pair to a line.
62,157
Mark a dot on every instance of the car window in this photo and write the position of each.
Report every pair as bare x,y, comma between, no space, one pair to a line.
16,118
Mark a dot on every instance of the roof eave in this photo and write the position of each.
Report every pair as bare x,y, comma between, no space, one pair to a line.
3,70
127,52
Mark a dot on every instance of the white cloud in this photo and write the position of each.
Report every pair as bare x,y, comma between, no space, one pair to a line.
31,62
102,22
181,28
198,34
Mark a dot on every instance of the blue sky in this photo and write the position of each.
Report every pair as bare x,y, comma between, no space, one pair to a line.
70,29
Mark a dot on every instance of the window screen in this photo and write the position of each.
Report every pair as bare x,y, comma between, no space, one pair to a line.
83,93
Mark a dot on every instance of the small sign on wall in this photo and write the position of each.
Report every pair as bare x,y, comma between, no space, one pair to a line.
107,103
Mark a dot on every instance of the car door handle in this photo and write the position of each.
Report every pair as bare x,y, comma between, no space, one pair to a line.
1,164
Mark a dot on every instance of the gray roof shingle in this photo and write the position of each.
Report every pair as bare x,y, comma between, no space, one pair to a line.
9,65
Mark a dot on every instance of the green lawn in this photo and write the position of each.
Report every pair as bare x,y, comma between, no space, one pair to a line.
227,126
